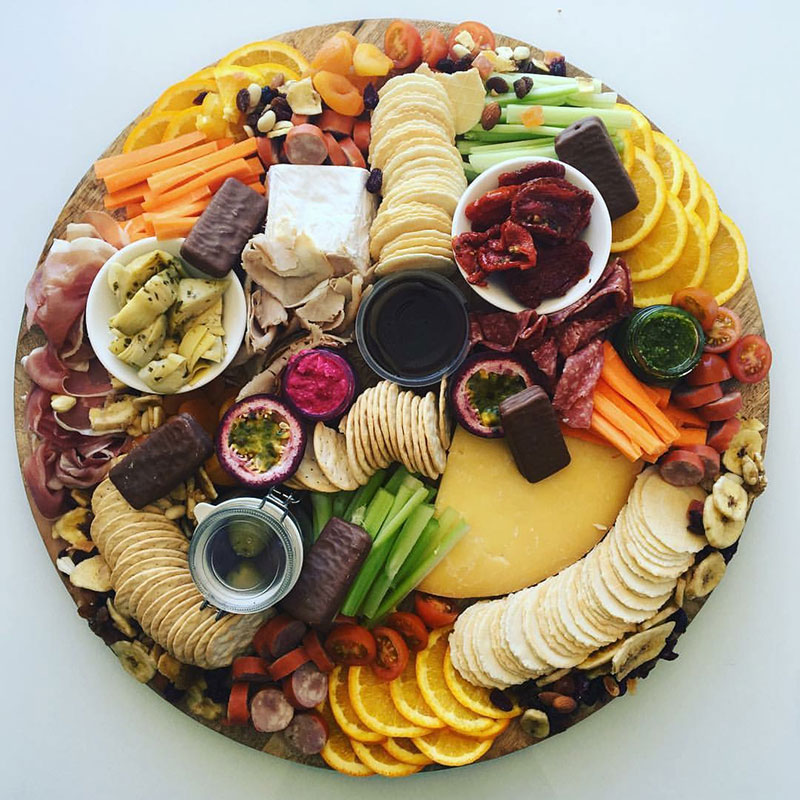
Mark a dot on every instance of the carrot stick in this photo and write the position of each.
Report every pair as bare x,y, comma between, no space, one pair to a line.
173,227
690,436
658,394
141,172
204,193
166,179
125,197
683,418
257,186
586,436
133,210
188,210
626,406
602,427
636,433
621,379
213,180
107,166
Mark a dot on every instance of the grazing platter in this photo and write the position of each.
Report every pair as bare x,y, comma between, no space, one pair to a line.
392,395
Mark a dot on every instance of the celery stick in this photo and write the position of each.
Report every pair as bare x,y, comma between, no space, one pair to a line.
439,549
377,511
364,494
400,499
398,476
340,501
566,115
508,133
470,173
412,483
547,95
429,534
518,145
321,511
596,99
407,539
378,554
482,161
545,80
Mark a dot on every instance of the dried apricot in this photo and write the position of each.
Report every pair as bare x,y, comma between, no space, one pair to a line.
335,55
339,93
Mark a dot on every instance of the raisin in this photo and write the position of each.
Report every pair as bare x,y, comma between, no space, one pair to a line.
523,86
446,65
559,67
370,97
267,94
198,100
500,700
280,105
375,181
218,684
681,620
497,85
463,64
729,552
243,100
255,115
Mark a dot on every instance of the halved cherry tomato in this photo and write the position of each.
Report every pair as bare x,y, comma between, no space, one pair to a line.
403,44
411,627
729,405
392,653
434,47
720,434
369,61
710,369
286,665
350,644
352,153
335,55
481,35
700,303
696,396
249,668
724,332
339,93
204,413
750,359
314,648
238,711
435,611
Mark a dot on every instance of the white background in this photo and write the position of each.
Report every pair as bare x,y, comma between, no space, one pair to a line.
723,720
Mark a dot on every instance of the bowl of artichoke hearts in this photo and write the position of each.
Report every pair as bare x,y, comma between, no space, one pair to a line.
160,326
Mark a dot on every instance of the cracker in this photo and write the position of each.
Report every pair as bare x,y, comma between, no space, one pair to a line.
426,261
445,424
154,557
430,425
364,453
358,471
424,450
310,475
134,580
144,594
144,541
413,431
330,452
189,625
174,617
400,428
227,642
152,615
190,646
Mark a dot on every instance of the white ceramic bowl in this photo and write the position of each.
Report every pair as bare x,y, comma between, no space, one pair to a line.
597,235
101,305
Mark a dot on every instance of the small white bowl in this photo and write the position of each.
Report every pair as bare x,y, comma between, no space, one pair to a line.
597,235
101,305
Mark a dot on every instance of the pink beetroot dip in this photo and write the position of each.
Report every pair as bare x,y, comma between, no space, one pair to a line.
319,383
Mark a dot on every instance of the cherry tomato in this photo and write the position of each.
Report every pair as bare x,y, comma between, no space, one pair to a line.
392,653
700,303
725,331
350,644
435,611
412,629
403,44
750,359
710,369
481,35
434,47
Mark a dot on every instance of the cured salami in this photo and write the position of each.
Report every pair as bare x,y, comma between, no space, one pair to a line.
573,395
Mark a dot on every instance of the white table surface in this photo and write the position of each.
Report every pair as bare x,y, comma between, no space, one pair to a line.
723,720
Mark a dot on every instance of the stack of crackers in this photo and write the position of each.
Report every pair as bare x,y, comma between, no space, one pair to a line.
148,557
413,130
383,426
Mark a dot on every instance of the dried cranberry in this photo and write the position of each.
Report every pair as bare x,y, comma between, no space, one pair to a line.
446,65
280,105
375,181
559,67
243,100
370,97
500,700
198,100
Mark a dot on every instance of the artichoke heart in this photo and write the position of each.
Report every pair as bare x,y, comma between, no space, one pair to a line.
195,296
216,352
141,348
126,279
212,319
166,375
168,346
149,302
194,344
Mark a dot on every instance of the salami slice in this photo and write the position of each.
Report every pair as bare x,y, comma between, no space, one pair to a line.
573,397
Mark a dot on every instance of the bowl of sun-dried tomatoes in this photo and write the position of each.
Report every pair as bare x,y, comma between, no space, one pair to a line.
531,233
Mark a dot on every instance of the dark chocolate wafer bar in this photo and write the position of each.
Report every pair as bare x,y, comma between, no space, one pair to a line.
166,458
215,243
533,435
587,146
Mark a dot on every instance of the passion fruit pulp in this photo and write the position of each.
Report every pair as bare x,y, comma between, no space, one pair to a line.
260,441
482,382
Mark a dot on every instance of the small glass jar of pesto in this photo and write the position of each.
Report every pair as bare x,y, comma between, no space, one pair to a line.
660,343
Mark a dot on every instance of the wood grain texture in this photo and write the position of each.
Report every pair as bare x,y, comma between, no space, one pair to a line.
88,194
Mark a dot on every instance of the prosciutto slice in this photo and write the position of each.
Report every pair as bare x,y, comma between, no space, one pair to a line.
86,377
38,470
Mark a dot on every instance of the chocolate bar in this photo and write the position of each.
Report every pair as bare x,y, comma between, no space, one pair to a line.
328,570
166,458
533,435
587,146
215,243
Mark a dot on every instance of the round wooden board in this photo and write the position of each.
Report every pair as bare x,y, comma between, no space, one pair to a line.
88,194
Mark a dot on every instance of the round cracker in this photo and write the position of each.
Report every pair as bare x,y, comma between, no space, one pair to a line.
445,423
373,420
430,425
174,619
157,610
228,641
331,455
146,593
311,476
413,429
188,626
427,462
400,263
371,458
356,457
143,541
402,442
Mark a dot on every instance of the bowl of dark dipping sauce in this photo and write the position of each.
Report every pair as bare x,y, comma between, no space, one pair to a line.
413,328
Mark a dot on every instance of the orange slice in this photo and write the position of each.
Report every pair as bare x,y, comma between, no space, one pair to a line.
408,699
629,229
373,703
661,248
492,732
342,709
452,749
475,698
689,193
627,154
380,760
406,751
182,95
430,677
267,51
668,158
149,130
727,262
207,73
708,209
230,80
688,270
338,752
184,121
210,120
641,131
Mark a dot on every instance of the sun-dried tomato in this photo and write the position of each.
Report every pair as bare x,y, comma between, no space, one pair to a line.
540,169
491,208
558,269
465,249
552,208
518,242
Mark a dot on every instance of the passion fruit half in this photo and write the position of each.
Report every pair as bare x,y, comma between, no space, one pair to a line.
260,441
479,386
